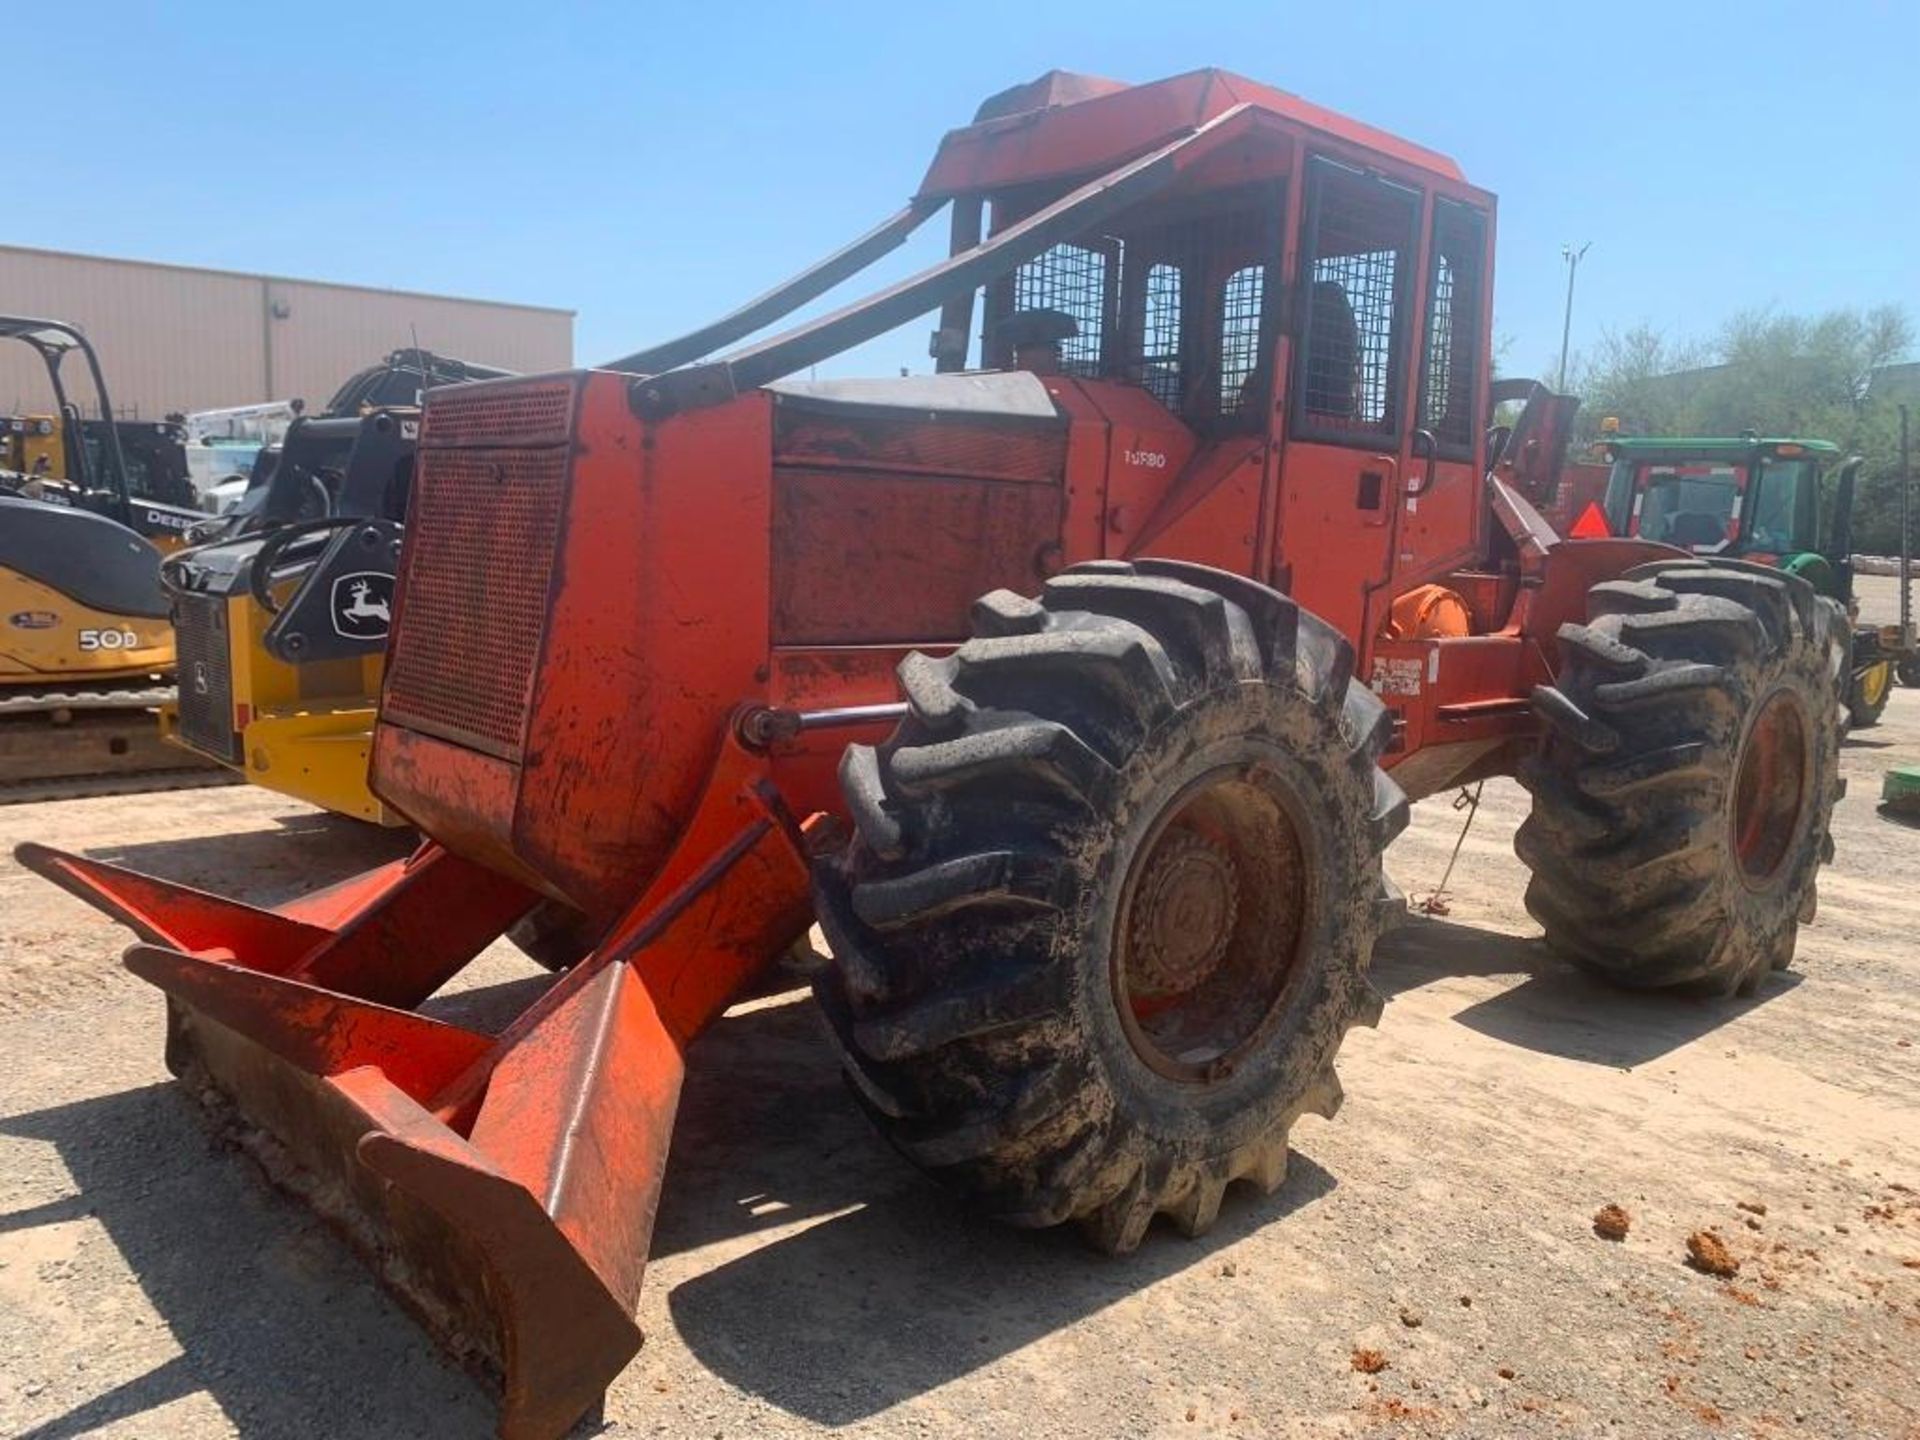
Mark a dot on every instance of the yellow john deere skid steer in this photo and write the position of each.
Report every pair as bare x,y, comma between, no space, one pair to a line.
281,618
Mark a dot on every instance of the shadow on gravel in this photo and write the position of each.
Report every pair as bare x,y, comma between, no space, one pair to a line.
1905,819
1558,1009
302,852
901,1289
895,1289
1857,741
277,1322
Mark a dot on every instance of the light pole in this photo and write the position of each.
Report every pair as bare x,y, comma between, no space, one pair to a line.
1573,258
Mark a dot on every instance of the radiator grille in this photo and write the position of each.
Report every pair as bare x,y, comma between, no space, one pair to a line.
946,447
205,676
480,554
522,415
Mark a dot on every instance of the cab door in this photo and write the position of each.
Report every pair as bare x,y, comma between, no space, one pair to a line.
1440,498
1346,460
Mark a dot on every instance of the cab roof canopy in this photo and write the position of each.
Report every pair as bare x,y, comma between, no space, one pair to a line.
1710,447
45,335
1062,125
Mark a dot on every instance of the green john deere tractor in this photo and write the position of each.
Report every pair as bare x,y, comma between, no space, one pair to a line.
1783,503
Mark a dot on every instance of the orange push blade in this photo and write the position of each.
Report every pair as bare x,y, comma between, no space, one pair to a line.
504,1186
520,1241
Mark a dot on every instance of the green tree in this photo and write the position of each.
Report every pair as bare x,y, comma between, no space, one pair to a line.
1640,378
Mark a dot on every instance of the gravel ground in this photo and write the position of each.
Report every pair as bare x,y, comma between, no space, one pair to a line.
1430,1267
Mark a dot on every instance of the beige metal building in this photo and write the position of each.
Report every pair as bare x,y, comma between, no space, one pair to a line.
176,338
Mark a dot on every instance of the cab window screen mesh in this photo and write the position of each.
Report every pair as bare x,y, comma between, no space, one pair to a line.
1454,324
1360,247
1242,306
1071,279
1158,363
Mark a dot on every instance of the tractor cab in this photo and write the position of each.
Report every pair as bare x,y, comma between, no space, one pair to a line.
1743,498
1786,503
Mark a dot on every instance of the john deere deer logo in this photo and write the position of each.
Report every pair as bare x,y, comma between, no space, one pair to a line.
363,605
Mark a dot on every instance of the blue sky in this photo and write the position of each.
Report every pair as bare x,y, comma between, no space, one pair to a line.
649,165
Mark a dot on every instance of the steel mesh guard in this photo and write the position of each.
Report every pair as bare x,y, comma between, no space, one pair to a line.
525,415
1074,280
1159,362
1242,308
1454,325
478,565
1197,308
1362,235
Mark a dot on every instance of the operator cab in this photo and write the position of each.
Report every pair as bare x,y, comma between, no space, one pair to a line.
1744,497
1265,327
1296,292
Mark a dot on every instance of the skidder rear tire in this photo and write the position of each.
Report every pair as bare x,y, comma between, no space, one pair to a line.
1112,895
1683,790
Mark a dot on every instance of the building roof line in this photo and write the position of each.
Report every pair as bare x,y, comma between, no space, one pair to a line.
257,275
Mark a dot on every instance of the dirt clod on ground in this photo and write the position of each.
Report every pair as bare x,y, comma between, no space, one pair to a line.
1708,1254
1610,1222
1369,1361
1752,1207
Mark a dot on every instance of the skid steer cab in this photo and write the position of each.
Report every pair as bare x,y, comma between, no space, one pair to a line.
131,471
283,607
282,622
1076,689
1782,503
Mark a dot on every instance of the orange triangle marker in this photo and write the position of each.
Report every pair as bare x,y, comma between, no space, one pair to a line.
1592,524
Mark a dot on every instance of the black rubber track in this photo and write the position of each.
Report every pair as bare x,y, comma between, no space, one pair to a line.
971,919
1630,840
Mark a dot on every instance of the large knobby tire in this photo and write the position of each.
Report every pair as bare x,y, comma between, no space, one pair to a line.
1112,895
1682,793
1868,695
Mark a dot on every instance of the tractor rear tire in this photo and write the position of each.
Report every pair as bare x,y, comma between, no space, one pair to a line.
1684,788
1111,898
1867,696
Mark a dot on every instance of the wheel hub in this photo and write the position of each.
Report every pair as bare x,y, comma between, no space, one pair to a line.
1770,788
1875,684
1185,906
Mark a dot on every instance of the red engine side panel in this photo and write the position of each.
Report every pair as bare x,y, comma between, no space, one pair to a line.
888,525
652,597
